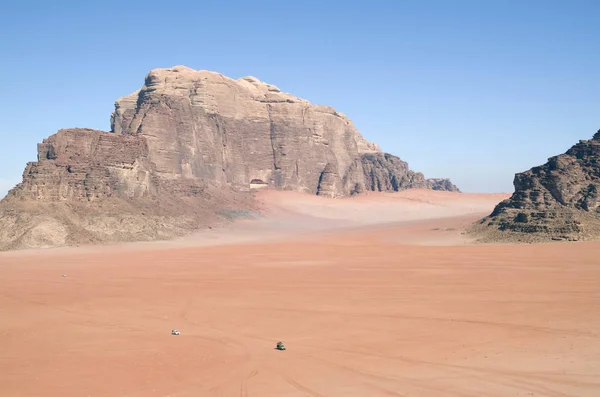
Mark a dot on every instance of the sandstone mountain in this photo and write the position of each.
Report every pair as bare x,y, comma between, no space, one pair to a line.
200,124
559,200
185,149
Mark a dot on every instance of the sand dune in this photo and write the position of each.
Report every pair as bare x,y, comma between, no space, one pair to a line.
373,208
374,295
286,214
292,214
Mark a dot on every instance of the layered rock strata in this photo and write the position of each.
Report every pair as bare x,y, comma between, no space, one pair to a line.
200,124
559,200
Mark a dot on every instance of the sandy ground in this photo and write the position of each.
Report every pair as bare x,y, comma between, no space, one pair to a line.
373,296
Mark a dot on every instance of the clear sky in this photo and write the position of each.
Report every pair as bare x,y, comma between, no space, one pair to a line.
471,90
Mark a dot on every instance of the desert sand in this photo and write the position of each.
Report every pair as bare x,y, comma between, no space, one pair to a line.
375,295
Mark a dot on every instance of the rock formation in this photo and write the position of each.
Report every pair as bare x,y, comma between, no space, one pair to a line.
185,146
76,164
384,172
201,124
559,200
90,186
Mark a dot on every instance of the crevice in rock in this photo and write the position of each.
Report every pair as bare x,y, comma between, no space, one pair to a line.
272,137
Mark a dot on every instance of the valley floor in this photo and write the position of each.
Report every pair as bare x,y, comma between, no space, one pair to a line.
373,296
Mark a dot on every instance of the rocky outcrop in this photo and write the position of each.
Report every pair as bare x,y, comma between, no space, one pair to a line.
182,149
200,124
83,164
559,200
384,172
441,184
328,181
76,164
90,186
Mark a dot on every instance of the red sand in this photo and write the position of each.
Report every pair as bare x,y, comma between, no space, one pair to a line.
364,311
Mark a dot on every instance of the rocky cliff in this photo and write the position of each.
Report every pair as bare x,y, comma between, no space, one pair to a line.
91,186
555,201
384,172
200,124
186,146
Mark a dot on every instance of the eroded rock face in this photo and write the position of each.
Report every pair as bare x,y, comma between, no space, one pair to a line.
79,163
441,184
186,146
557,200
384,172
91,186
200,124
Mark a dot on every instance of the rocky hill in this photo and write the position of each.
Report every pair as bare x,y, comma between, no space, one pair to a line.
555,201
200,124
183,149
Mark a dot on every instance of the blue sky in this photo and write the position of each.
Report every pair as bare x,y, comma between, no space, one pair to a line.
471,90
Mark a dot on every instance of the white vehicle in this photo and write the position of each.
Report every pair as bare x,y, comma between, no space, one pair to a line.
174,332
